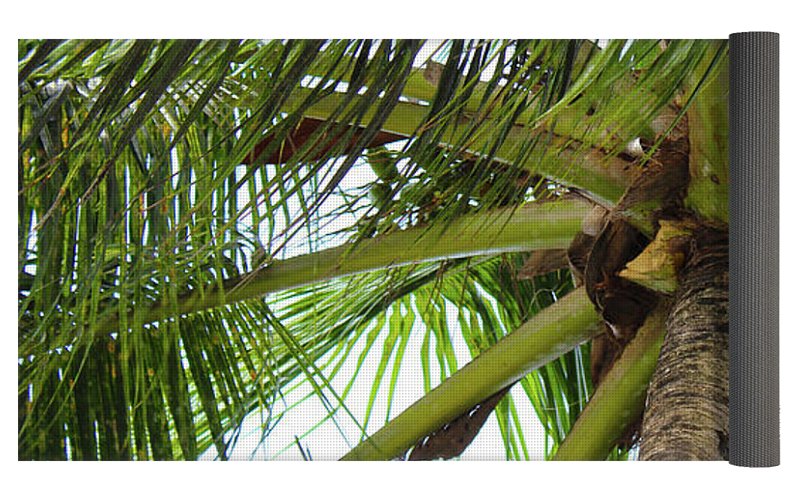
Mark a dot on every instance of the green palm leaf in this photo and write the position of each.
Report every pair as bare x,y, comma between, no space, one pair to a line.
198,240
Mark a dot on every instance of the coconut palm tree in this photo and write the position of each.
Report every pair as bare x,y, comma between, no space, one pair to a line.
206,226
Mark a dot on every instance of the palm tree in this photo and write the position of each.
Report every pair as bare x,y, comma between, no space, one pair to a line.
206,225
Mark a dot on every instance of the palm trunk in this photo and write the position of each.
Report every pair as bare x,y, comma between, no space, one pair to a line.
686,416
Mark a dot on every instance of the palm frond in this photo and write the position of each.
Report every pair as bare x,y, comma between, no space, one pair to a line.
166,186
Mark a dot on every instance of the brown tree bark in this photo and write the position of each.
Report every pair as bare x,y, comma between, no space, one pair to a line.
686,415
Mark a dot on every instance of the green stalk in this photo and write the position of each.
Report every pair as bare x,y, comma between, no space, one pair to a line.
620,399
567,122
592,170
536,226
708,138
550,334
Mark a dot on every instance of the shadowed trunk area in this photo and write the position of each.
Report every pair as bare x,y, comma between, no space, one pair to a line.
686,416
